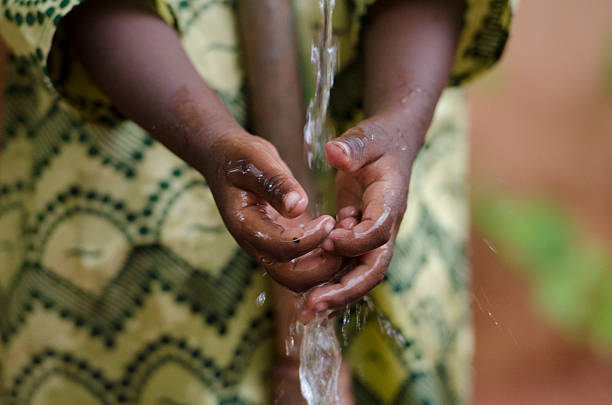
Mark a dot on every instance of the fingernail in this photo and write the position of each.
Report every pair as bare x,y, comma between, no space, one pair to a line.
329,227
291,200
328,245
342,147
321,306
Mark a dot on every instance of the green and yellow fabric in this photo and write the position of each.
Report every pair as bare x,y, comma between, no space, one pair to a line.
118,281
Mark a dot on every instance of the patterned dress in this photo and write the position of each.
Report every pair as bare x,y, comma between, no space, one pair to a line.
119,283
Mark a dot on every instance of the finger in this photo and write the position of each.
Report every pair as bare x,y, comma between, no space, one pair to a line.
347,212
354,285
349,198
343,222
271,180
305,272
349,190
347,223
358,146
382,203
277,243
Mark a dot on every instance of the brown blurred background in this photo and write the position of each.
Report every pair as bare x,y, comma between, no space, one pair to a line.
542,126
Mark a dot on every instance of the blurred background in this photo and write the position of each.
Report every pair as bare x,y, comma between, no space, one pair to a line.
542,210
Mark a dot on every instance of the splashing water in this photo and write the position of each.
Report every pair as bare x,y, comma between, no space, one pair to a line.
261,299
320,360
320,353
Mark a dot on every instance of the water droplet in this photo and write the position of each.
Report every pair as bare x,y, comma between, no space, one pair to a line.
346,319
261,299
416,91
289,345
495,321
490,245
358,311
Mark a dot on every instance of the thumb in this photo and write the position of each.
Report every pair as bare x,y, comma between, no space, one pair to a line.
271,180
357,147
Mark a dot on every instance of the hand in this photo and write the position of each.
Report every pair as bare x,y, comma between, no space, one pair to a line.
374,161
264,208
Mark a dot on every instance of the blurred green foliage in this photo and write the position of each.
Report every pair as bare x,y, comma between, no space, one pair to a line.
571,274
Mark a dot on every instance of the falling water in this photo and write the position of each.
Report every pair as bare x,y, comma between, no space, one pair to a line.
317,131
320,360
320,355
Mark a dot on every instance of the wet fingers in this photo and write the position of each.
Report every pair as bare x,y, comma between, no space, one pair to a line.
354,285
270,180
277,243
306,272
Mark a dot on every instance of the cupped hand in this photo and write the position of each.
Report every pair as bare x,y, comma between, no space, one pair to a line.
374,161
265,209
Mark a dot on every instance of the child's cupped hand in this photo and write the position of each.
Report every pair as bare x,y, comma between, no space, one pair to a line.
374,161
265,209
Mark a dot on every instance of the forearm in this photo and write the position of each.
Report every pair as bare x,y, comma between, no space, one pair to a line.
409,49
274,87
139,63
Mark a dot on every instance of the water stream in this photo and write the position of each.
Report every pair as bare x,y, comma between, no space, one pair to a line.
320,361
320,354
317,131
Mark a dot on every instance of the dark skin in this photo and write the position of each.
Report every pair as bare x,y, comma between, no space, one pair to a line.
408,47
409,50
140,64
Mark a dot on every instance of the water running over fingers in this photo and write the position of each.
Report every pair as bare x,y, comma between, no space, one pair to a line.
320,355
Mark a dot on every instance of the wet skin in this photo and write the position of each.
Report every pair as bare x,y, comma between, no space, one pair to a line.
265,209
260,201
139,63
408,48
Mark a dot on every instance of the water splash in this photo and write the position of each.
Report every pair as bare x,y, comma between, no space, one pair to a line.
362,311
346,319
292,337
320,361
261,299
320,353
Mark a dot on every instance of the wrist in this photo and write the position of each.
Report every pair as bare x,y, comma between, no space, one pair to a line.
218,143
402,127
195,122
